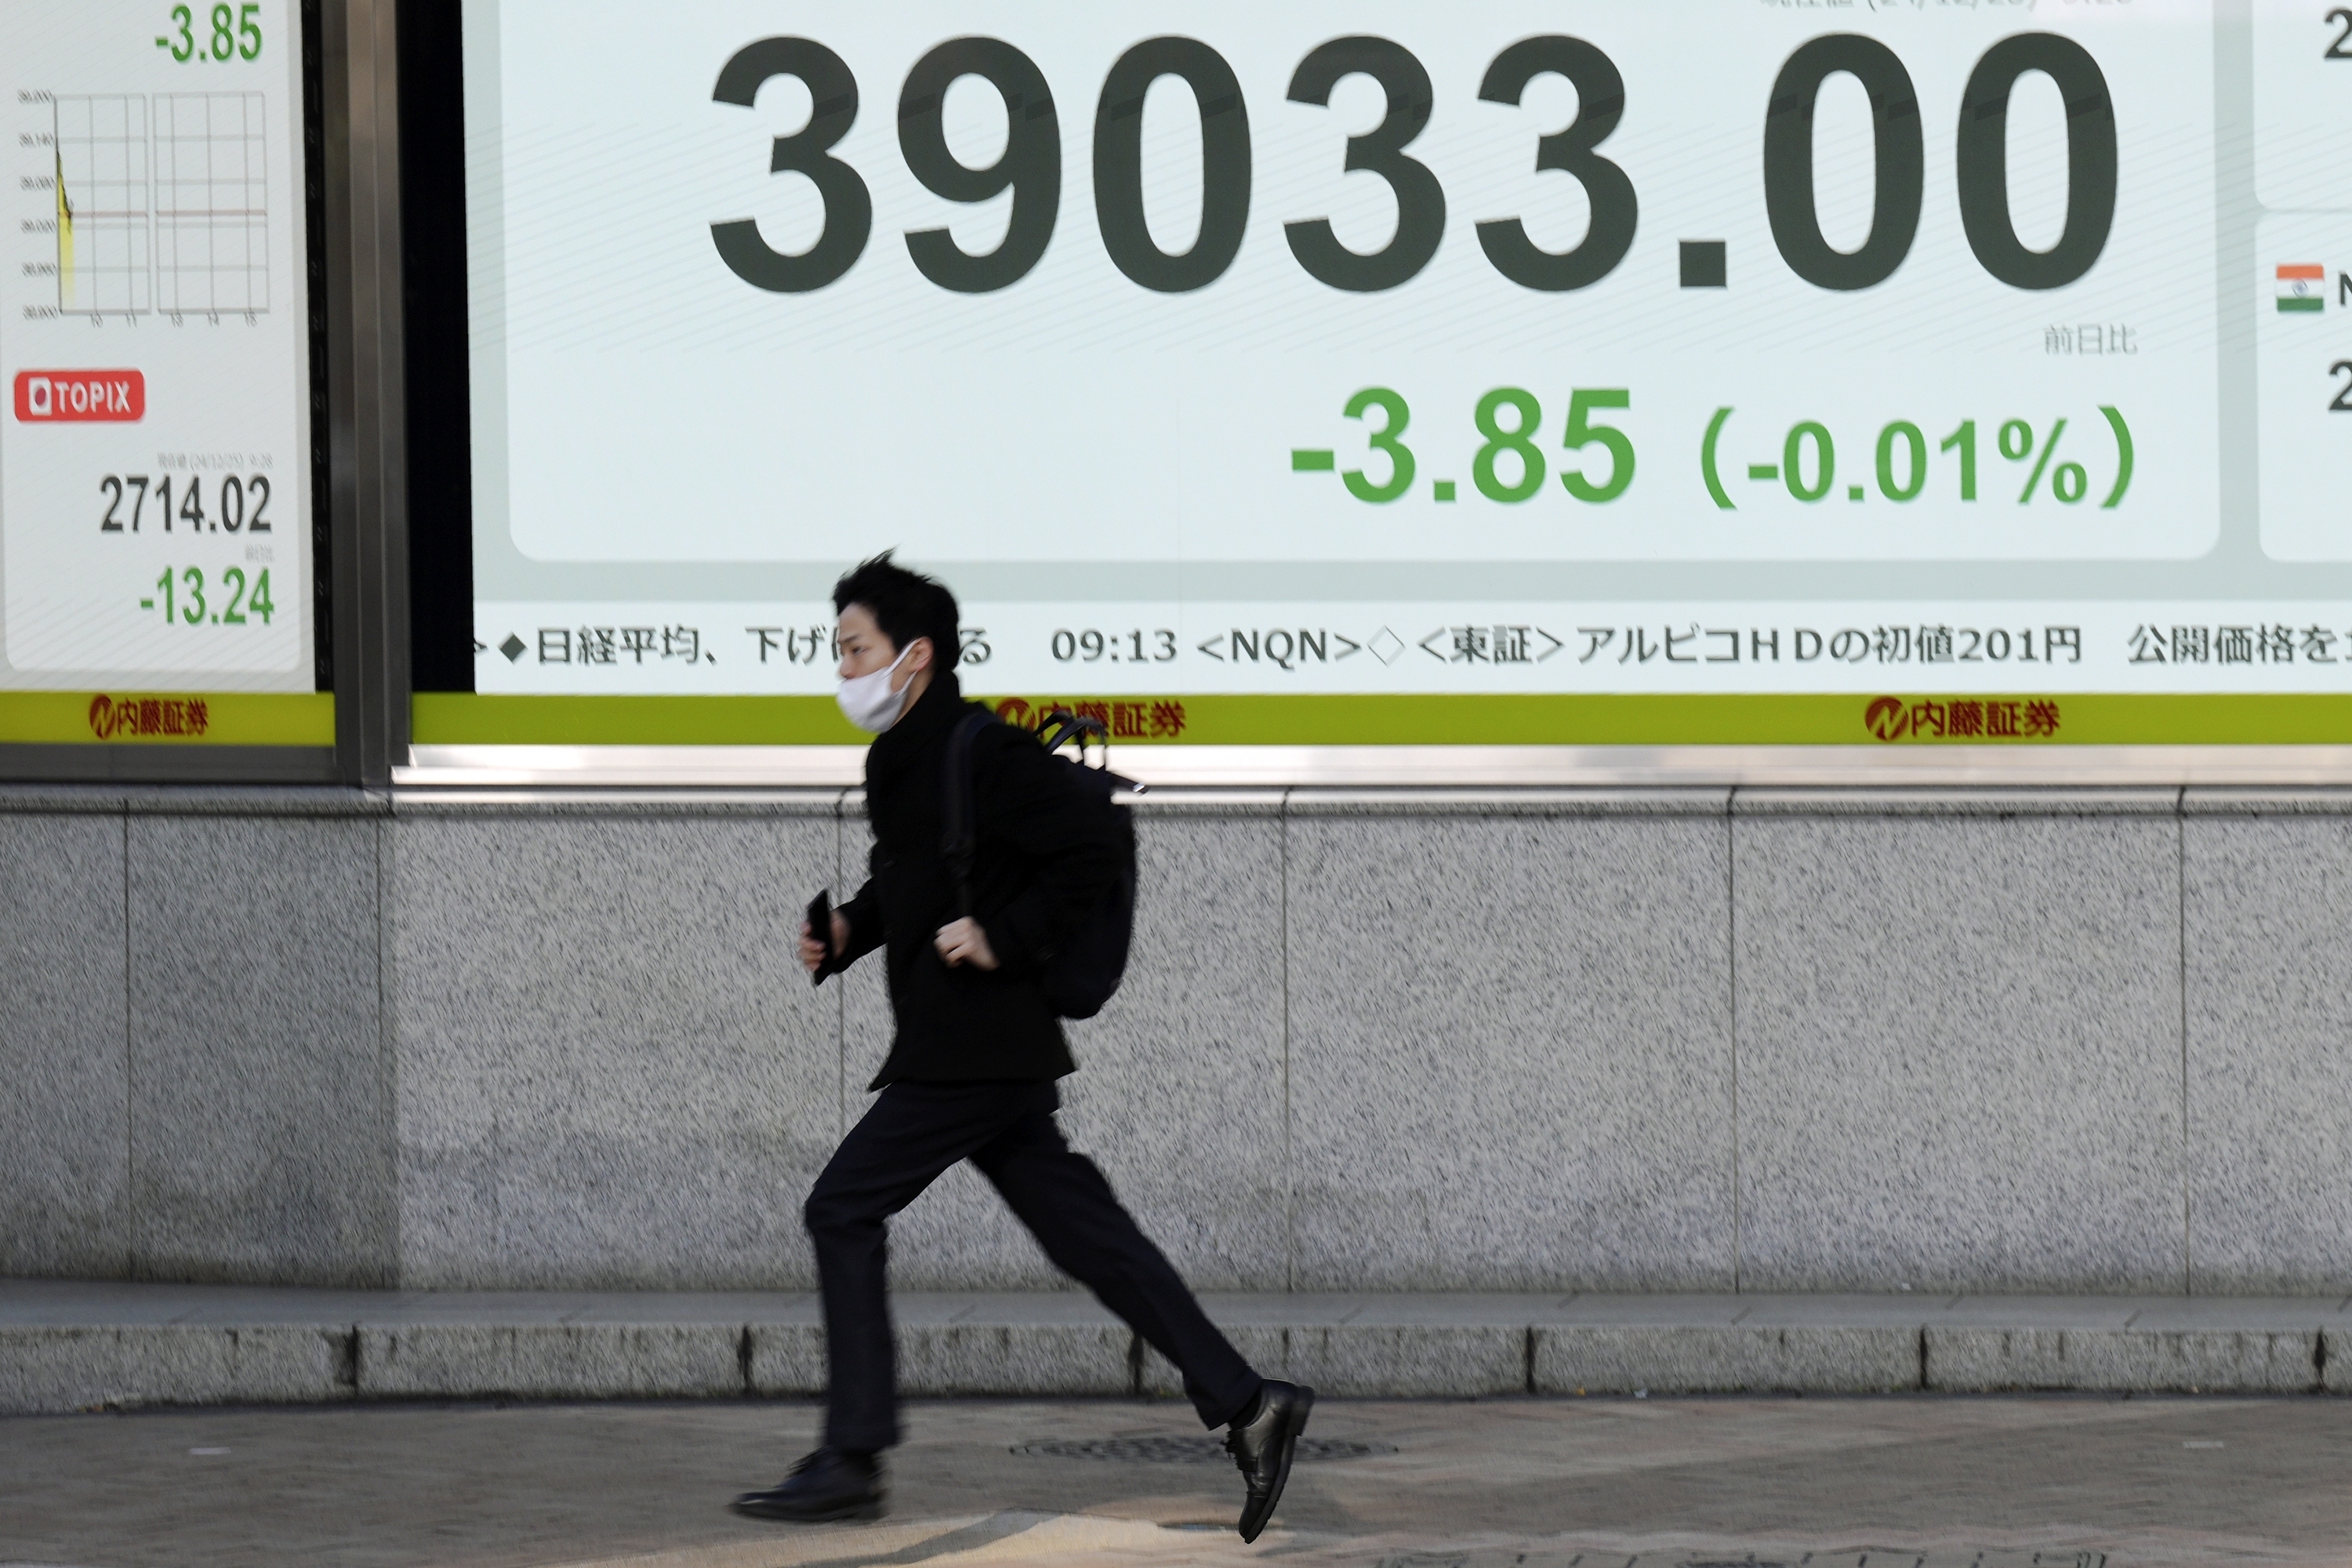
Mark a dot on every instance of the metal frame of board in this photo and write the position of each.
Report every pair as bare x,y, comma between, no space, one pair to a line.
529,768
366,392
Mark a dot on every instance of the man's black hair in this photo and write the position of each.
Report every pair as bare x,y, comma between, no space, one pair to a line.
906,605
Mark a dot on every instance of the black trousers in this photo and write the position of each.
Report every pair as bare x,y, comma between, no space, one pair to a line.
909,1137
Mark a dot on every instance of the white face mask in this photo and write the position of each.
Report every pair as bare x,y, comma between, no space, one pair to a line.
868,701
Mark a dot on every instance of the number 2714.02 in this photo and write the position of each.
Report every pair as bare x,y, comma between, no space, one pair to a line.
239,504
181,595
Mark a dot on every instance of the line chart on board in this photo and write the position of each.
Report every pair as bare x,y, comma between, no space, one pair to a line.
162,204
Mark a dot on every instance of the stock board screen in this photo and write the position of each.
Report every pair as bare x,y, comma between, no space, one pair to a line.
156,559
1724,370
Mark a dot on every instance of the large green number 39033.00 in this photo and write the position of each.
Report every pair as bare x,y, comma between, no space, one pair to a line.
1386,440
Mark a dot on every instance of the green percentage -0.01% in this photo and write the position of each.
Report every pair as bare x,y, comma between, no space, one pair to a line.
1808,465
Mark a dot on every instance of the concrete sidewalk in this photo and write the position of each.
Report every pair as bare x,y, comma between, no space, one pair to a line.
2004,1481
1917,1481
72,1346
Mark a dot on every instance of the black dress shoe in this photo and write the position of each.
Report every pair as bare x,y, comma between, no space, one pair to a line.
1262,1445
828,1485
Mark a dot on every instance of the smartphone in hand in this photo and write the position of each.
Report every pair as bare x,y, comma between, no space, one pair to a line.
820,924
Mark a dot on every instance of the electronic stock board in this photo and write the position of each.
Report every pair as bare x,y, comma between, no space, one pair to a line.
156,558
1369,372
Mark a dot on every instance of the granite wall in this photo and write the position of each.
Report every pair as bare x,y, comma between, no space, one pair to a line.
1667,1040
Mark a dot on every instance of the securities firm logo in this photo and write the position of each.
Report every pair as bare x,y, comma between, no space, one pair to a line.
112,718
1150,720
80,396
1970,719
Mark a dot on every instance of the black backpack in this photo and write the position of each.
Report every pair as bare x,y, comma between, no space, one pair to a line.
1080,977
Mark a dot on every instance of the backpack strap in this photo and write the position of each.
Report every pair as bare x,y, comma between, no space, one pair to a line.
959,836
1062,726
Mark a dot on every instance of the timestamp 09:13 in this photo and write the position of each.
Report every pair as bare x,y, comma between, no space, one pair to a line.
1131,646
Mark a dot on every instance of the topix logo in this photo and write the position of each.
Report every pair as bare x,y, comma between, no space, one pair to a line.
80,396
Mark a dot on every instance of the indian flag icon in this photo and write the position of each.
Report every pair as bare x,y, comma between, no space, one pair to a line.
2303,288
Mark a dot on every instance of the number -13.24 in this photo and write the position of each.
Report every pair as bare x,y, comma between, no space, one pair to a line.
180,594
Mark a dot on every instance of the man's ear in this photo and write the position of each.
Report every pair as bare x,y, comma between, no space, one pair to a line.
919,655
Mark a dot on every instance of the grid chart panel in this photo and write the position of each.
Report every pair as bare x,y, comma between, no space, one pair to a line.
101,200
212,215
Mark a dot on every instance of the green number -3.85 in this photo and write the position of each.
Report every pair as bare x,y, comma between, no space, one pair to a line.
1518,439
236,33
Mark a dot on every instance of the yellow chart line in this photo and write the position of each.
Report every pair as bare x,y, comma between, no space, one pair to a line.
65,239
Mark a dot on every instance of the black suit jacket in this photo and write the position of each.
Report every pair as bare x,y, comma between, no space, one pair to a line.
1046,854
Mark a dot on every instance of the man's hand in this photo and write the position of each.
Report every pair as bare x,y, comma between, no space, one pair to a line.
812,952
963,941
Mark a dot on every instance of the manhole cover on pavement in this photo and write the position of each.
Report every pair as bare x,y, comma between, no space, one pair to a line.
1186,1450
